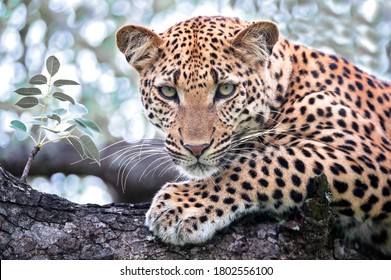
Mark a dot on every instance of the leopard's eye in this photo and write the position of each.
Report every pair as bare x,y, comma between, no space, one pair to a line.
167,92
225,90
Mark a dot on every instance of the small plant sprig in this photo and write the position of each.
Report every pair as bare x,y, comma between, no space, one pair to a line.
54,124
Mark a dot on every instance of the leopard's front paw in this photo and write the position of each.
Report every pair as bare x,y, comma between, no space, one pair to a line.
178,218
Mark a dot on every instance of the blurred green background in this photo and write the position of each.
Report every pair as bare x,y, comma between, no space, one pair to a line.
81,35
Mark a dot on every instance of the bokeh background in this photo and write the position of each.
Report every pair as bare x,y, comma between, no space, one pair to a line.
81,35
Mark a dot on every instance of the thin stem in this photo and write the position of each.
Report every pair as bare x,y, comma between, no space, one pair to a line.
42,113
38,143
32,138
26,170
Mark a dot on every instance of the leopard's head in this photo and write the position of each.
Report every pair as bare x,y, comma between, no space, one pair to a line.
203,82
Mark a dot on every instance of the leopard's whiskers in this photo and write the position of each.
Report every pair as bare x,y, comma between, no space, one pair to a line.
131,154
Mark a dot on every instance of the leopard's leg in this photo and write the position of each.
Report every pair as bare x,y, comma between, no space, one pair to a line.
277,179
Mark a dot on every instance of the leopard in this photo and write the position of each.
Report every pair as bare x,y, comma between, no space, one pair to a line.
251,119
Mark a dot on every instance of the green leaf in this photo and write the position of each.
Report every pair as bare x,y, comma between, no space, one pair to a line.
64,128
18,125
55,117
90,148
89,124
51,130
52,65
27,102
63,97
60,83
38,80
78,109
28,91
83,128
77,144
60,111
71,127
80,123
40,121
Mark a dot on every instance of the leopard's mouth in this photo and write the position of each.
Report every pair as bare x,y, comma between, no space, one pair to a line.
198,170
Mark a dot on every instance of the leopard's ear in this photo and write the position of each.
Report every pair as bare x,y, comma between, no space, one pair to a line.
139,45
257,40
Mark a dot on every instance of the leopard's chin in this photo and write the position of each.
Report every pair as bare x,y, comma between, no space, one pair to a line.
198,171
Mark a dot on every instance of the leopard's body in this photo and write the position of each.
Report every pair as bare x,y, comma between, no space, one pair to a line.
253,118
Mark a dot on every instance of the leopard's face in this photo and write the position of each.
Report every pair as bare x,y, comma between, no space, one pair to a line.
201,84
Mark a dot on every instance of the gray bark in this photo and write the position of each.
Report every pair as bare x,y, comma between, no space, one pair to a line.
36,225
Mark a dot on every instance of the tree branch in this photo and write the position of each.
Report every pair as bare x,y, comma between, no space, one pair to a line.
30,159
35,225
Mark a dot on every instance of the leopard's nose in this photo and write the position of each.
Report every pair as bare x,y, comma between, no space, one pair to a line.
196,150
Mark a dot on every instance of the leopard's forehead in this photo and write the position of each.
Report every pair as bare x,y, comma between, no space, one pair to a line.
205,27
202,33
196,49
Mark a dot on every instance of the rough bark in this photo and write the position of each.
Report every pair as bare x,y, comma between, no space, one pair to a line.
35,225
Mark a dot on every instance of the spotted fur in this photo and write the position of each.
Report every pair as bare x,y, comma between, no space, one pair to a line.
294,113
